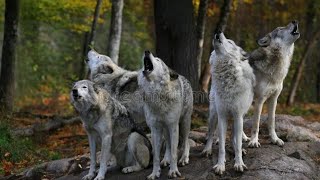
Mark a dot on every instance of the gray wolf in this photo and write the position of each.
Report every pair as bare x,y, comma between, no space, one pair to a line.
120,83
270,63
232,92
106,120
168,105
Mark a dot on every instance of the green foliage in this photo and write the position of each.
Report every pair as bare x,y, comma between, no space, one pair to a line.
18,148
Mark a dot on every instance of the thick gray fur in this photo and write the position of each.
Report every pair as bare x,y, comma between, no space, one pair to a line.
107,121
168,105
271,62
231,96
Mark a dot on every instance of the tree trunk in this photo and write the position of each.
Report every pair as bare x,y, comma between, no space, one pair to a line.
89,39
7,78
311,39
299,71
318,77
224,15
115,30
176,37
222,24
201,24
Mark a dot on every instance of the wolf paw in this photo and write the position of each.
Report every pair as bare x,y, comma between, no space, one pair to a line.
184,160
127,170
88,177
245,138
240,167
217,141
173,173
244,151
207,152
277,141
254,144
154,175
165,162
99,177
219,168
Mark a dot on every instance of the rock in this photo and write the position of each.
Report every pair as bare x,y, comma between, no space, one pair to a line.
197,136
289,128
192,143
296,160
314,126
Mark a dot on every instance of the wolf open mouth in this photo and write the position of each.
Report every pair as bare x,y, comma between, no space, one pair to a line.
148,66
217,37
295,30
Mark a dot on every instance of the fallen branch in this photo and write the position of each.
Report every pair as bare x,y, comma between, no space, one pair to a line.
52,124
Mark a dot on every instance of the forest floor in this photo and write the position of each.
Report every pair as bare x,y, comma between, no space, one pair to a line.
17,153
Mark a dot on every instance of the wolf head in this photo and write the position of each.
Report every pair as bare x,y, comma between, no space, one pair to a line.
156,70
99,63
281,36
227,47
84,95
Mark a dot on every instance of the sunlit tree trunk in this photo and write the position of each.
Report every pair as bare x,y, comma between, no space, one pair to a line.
222,24
201,19
311,39
115,30
299,71
89,39
7,79
176,41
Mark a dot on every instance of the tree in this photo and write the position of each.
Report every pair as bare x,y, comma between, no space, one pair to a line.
312,41
202,11
89,38
222,23
115,30
7,78
299,70
176,37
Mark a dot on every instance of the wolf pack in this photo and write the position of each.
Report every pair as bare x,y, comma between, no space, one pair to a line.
115,103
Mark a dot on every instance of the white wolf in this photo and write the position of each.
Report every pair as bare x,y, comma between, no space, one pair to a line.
168,105
232,91
106,120
270,63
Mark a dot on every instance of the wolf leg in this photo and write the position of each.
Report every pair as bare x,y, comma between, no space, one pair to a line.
139,152
184,133
212,125
255,124
92,146
219,168
174,140
237,145
272,104
166,159
156,135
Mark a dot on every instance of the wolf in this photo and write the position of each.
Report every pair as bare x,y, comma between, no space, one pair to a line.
232,90
123,85
120,83
168,105
271,62
106,120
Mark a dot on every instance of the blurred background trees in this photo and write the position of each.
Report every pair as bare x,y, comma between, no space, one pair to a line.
53,37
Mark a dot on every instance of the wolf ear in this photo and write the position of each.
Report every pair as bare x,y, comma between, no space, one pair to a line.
173,75
265,41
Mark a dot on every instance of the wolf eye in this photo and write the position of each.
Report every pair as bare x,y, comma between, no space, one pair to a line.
84,87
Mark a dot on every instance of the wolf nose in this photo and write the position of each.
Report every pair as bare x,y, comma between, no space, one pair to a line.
74,92
294,22
147,52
